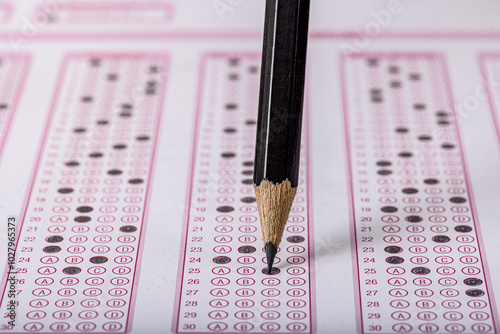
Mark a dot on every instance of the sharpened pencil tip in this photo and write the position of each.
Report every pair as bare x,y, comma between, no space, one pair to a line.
271,251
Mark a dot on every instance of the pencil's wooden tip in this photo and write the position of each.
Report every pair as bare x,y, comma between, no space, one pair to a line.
274,202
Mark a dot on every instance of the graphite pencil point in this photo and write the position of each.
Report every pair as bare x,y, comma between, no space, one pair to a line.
271,251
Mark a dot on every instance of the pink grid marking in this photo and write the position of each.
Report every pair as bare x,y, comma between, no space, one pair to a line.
41,150
183,252
449,97
18,89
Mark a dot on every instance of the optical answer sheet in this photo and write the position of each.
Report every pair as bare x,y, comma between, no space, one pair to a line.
126,173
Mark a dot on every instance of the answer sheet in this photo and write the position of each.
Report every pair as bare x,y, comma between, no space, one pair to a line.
127,133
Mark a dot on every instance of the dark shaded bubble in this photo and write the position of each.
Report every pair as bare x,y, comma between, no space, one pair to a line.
95,62
52,249
424,137
72,270
372,62
448,146
228,155
473,281
248,163
128,229
393,249
414,219
394,260
393,69
410,191
225,208
119,146
247,172
431,181
248,199
247,181
221,259
295,239
96,155
151,83
419,106
79,130
102,122
463,228
405,154
441,238
250,122
384,172
474,292
234,61
384,163
72,163
135,181
246,249
420,271
458,200
84,209
229,130
414,76
53,239
402,129
82,219
231,106
142,138
395,84
389,209
441,113
65,190
114,172
98,259
87,99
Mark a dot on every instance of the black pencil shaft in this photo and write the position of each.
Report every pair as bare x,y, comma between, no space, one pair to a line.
277,153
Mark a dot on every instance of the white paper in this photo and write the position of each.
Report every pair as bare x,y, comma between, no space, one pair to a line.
126,147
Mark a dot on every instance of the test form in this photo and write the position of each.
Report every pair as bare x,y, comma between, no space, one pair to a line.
127,139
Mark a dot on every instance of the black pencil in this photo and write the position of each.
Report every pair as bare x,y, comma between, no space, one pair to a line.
277,152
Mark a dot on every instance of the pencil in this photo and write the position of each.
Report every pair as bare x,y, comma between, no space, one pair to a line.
277,149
